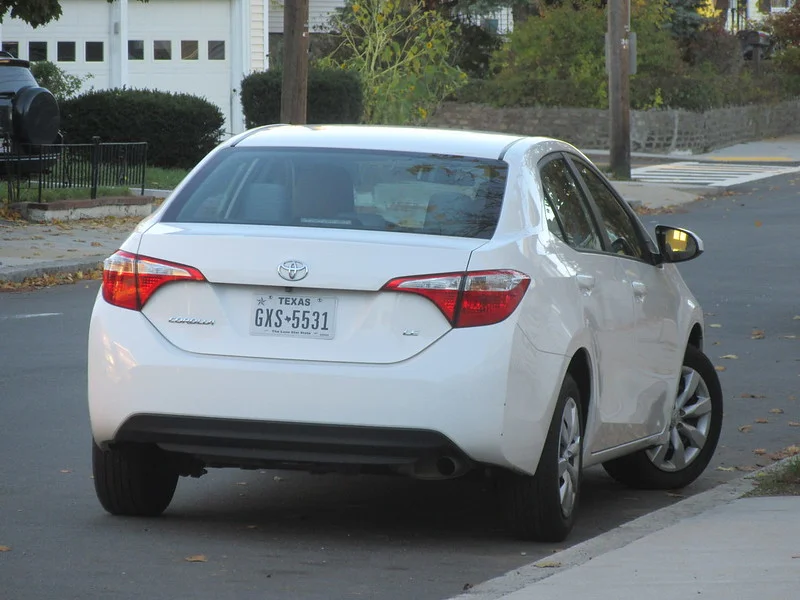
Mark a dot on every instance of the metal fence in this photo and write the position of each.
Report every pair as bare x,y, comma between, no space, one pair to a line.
91,166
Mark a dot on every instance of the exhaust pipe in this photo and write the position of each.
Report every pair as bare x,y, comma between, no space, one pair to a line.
437,467
447,466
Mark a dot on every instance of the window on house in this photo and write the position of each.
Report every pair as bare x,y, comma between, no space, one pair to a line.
12,48
216,50
66,51
135,49
189,50
94,51
162,50
37,51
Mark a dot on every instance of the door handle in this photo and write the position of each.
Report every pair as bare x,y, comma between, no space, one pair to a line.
639,289
585,282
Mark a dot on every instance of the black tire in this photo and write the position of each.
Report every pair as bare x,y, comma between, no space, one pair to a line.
133,480
639,470
532,503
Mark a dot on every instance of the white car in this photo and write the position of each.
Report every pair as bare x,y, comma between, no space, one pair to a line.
398,300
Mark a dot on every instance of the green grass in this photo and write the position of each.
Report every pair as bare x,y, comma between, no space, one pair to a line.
163,179
73,193
783,481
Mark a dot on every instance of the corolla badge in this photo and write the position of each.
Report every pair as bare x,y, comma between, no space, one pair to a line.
293,270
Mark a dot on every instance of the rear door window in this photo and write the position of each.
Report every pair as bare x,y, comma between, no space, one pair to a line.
378,191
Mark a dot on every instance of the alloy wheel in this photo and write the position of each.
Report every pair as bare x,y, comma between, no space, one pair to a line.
569,450
689,424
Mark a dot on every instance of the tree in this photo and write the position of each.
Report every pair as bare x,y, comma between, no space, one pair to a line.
402,54
34,12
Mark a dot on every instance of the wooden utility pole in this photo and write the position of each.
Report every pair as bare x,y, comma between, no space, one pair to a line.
619,98
295,62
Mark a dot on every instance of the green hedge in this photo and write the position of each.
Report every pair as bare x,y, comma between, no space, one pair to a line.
334,96
179,128
693,91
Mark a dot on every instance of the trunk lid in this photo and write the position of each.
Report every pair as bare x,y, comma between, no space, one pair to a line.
333,309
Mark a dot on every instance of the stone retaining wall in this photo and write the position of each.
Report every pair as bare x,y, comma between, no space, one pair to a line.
657,131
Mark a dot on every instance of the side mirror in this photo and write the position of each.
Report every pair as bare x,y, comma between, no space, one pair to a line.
677,245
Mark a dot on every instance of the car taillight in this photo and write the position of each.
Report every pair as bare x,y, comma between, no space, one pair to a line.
468,299
129,280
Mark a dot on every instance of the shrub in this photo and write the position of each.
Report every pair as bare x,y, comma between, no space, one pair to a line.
474,48
179,128
559,57
60,83
334,96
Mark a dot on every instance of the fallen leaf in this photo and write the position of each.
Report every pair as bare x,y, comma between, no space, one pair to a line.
196,558
746,468
715,325
745,428
794,424
715,344
796,318
792,397
65,471
548,564
758,223
96,244
759,451
776,411
720,368
725,468
730,356
5,548
788,337
762,421
757,334
786,453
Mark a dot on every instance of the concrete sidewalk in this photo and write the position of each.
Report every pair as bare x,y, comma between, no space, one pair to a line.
715,545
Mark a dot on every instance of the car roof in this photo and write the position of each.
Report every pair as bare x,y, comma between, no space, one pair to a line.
477,144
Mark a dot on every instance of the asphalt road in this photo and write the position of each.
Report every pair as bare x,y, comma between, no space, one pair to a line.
290,535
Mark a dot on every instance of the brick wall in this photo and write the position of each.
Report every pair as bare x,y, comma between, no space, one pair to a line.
657,131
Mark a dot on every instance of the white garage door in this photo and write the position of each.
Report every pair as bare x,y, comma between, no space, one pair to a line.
77,42
182,46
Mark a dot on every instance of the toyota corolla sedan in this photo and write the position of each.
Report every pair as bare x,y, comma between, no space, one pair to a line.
405,301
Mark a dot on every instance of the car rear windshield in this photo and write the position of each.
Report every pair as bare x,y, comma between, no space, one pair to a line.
377,191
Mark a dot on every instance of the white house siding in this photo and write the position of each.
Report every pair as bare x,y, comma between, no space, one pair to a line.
319,12
257,52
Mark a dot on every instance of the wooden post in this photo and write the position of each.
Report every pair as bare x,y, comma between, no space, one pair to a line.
619,101
295,62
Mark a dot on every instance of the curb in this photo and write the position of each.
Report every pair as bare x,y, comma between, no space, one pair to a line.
19,274
625,534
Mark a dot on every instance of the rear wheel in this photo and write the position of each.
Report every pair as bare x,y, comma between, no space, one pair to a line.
542,507
694,431
134,479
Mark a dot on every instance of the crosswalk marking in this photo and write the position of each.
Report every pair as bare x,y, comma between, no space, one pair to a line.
708,174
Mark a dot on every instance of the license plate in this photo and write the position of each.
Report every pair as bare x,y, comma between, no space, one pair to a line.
289,315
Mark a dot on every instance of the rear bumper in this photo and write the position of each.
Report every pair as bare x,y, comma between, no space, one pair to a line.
483,392
237,442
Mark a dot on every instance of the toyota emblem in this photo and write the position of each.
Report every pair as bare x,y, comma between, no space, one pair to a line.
293,270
